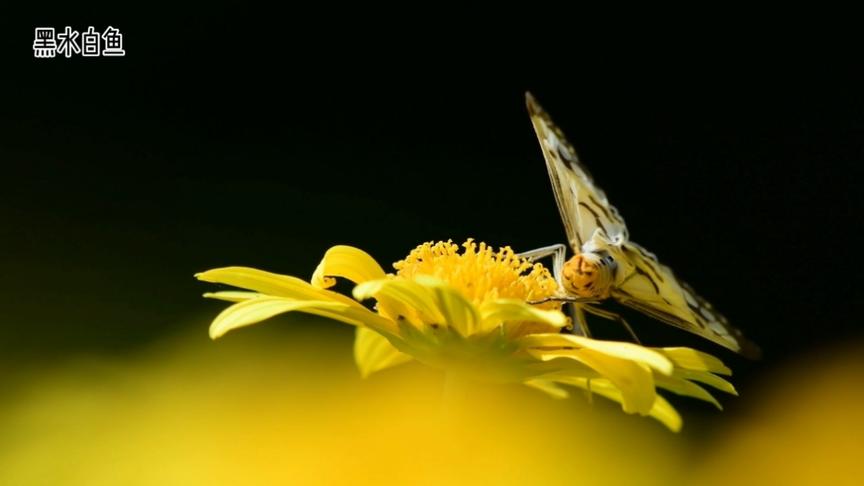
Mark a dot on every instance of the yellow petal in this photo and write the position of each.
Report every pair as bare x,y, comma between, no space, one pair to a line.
459,314
232,295
628,351
273,284
666,414
554,368
261,308
633,379
404,292
692,359
500,311
707,379
373,352
347,262
686,388
265,283
660,410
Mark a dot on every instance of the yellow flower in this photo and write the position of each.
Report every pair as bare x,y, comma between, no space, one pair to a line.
467,313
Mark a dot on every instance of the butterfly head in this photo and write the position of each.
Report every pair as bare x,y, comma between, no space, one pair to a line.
589,274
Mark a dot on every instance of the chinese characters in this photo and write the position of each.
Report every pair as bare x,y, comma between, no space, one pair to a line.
47,43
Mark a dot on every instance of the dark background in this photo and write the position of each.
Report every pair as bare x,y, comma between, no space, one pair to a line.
240,137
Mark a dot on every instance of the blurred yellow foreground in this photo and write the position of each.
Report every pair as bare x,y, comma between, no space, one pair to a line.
263,408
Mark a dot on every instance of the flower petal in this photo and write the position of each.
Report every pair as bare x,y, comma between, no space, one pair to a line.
633,379
265,283
232,295
373,352
459,314
628,351
347,262
261,308
405,293
686,388
706,378
293,288
692,359
500,311
666,414
660,410
553,368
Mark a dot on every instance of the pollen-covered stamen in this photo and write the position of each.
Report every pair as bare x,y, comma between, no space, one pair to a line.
480,272
589,275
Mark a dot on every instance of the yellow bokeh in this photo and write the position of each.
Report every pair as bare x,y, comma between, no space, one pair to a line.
288,407
265,410
807,429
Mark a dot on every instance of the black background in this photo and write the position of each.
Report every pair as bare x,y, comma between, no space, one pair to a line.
255,138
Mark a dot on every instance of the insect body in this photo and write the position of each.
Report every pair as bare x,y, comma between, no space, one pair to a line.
606,263
589,275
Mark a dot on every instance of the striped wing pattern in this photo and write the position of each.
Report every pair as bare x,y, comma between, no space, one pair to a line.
583,206
654,290
650,287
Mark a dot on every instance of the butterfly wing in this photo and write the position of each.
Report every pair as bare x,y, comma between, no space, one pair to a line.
644,283
654,290
583,206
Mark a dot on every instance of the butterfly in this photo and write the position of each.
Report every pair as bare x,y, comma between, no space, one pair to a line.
606,263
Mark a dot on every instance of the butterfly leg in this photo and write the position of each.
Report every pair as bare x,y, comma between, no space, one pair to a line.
612,317
558,252
565,299
580,324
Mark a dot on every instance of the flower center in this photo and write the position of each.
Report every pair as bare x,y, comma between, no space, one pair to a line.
479,272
